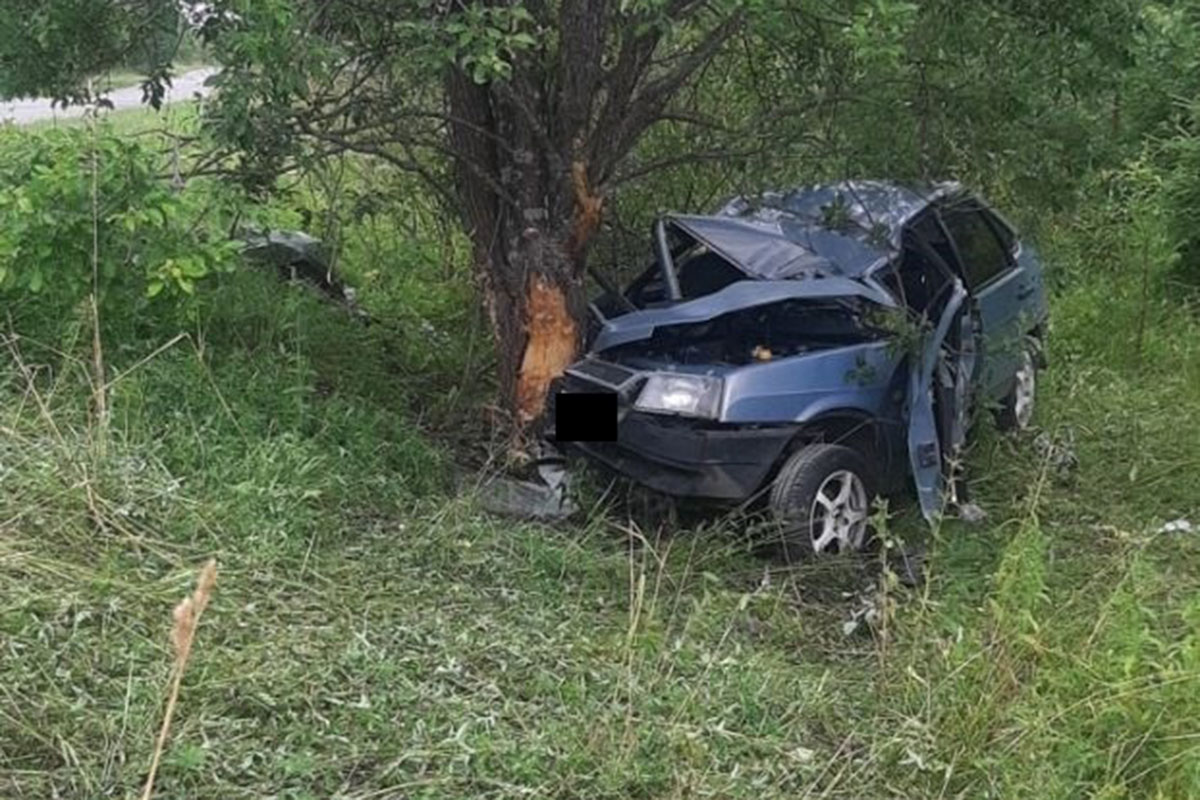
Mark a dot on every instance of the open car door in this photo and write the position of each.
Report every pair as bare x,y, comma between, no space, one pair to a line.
938,387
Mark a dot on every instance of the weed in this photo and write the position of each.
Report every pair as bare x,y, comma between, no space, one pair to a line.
183,634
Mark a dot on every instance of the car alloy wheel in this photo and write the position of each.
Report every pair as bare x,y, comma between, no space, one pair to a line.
1016,410
821,497
1025,391
839,514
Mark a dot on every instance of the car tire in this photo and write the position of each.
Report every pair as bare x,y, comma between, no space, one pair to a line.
821,498
1016,409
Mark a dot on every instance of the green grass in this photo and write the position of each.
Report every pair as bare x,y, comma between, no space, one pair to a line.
373,635
176,117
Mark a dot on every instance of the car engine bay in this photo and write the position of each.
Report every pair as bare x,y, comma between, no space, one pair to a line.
761,333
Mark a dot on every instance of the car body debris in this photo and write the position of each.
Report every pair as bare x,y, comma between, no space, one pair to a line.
865,615
299,257
546,499
1057,451
812,349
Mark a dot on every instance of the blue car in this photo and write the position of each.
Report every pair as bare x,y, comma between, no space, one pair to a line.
812,349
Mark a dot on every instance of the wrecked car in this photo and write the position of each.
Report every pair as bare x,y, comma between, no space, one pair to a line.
811,349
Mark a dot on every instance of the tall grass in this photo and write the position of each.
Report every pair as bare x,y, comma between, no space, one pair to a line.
376,636
186,618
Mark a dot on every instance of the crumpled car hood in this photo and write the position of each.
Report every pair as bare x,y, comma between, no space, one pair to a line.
638,325
760,248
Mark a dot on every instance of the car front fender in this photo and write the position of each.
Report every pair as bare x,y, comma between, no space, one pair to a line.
803,387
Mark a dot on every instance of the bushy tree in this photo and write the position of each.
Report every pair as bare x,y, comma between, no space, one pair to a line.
527,116
85,212
519,114
54,48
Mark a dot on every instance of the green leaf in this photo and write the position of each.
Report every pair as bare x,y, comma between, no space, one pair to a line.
192,267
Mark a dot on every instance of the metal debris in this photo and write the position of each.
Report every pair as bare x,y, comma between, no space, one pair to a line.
300,257
546,499
971,513
1058,451
866,614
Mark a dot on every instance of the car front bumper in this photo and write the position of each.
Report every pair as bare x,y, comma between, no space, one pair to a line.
674,455
676,458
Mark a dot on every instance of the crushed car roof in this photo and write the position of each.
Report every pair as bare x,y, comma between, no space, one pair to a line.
831,229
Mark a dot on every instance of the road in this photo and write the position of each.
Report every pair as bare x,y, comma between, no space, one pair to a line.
185,86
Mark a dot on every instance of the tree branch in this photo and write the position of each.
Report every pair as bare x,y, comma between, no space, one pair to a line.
646,107
679,160
407,163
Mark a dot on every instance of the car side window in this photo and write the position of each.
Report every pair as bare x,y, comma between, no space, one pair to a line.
927,228
920,276
1008,239
983,255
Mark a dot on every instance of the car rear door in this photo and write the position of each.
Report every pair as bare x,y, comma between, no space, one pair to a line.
1001,287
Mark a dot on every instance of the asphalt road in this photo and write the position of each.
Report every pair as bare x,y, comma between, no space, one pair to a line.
185,86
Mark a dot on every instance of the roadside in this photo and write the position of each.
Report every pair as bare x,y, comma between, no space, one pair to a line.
185,87
370,637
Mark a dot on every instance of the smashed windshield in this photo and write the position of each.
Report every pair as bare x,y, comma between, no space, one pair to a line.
699,270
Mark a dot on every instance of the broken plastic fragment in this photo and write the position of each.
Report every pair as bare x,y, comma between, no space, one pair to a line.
866,614
544,500
525,499
971,513
1180,525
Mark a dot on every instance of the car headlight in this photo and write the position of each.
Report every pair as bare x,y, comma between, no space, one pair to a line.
690,395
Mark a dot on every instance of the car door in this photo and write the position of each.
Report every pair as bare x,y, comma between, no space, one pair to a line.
936,401
1000,287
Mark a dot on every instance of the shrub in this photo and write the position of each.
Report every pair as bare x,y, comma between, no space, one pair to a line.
1181,197
84,210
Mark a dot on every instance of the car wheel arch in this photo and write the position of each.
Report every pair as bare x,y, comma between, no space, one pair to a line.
851,427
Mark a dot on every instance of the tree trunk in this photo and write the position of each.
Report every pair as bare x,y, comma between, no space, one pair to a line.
533,154
527,207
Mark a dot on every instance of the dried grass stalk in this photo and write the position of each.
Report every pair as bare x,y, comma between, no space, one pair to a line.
183,634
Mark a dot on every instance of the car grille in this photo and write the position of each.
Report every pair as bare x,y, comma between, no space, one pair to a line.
613,376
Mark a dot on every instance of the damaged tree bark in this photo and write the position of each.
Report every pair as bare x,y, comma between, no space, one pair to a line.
554,303
551,338
528,255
